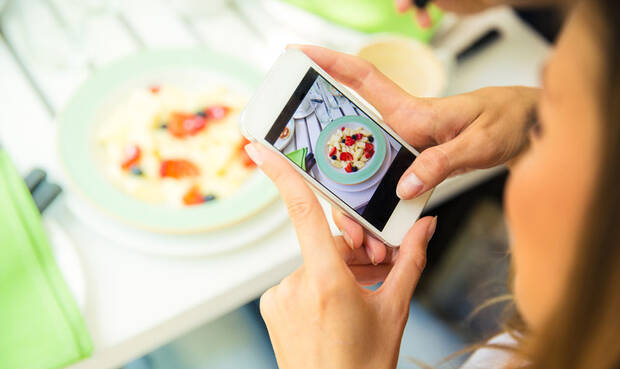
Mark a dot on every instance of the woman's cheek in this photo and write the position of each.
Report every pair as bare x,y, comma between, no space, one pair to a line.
532,219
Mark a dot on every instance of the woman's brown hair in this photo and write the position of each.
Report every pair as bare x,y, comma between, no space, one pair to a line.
585,333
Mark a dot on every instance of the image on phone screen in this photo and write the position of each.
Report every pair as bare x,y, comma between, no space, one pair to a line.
334,141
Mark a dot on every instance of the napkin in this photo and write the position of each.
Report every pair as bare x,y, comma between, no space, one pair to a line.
40,324
371,16
299,157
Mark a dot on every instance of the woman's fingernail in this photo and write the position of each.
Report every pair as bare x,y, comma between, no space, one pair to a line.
372,259
409,186
254,154
431,229
348,239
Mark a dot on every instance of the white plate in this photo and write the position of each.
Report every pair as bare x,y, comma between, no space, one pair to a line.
243,234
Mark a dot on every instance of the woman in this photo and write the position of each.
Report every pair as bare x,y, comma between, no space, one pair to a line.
562,202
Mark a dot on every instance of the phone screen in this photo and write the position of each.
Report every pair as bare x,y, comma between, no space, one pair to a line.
342,148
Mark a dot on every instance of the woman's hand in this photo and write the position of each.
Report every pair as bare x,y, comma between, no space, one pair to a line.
476,130
457,6
319,316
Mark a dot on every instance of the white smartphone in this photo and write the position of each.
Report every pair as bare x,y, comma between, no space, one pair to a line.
336,142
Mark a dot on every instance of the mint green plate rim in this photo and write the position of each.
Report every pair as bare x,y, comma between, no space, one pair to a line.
76,121
365,173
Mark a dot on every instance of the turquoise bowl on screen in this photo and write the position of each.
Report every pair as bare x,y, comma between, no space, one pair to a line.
338,175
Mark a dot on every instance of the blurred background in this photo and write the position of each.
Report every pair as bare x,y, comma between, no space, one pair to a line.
154,310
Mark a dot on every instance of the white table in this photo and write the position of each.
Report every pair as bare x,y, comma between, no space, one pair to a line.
137,302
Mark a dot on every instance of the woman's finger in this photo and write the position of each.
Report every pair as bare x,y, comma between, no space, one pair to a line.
362,77
376,250
320,256
417,120
403,5
359,256
423,18
434,165
403,278
352,232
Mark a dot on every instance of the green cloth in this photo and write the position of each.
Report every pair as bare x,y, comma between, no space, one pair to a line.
299,157
371,16
40,324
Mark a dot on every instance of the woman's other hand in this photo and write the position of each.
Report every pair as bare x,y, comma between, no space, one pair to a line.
320,316
476,130
457,6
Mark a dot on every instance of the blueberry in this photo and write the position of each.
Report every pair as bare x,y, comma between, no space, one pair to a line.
209,198
136,171
371,139
334,157
354,168
342,140
163,126
201,114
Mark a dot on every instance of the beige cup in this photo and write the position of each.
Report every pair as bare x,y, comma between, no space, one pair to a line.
414,66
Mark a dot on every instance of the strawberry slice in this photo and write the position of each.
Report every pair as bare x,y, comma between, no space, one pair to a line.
369,154
182,124
217,112
132,156
194,124
369,147
193,196
333,151
348,168
178,168
344,156
349,141
175,124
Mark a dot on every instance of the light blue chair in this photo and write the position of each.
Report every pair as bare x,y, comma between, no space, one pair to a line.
240,340
236,340
427,339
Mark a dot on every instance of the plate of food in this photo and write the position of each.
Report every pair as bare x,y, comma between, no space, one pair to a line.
153,141
350,150
372,181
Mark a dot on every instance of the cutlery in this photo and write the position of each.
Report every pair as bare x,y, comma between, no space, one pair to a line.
45,194
34,179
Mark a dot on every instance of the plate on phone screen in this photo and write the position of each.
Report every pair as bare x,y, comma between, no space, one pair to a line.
371,167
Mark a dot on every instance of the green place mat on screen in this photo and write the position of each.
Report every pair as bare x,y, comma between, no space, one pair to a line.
299,157
370,16
40,324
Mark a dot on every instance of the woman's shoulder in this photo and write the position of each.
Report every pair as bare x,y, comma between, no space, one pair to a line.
493,357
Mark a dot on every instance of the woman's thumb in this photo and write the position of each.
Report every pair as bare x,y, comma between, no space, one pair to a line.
431,167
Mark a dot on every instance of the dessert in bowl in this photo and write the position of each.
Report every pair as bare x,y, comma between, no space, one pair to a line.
351,149
167,145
